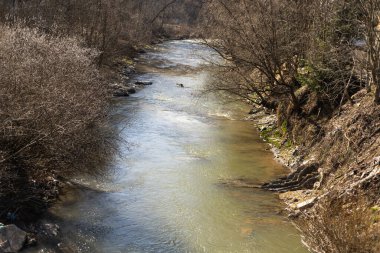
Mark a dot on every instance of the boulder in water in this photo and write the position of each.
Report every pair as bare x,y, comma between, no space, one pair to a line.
143,83
121,92
131,90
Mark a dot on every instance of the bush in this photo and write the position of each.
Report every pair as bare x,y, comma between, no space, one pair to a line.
52,109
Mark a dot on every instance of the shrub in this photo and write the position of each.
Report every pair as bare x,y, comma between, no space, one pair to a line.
52,109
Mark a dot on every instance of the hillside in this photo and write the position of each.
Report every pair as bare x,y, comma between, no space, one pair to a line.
334,188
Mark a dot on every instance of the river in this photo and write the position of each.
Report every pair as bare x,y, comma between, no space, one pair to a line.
165,191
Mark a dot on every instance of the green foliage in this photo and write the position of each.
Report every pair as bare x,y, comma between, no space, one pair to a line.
375,209
284,127
272,136
310,76
288,144
127,61
275,136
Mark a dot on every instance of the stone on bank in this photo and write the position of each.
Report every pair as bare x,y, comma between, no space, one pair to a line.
12,239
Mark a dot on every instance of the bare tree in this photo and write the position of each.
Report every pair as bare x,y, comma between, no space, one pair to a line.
265,41
369,18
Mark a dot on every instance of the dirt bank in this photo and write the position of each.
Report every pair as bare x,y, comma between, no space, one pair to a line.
333,190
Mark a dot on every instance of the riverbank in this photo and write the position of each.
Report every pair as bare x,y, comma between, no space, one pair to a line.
332,191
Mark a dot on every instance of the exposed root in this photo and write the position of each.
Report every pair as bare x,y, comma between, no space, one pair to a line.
303,178
239,183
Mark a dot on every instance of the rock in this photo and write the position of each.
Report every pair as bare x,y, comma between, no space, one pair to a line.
30,241
131,90
307,204
115,86
268,121
180,85
49,229
296,152
143,83
47,251
67,248
294,214
128,70
263,128
255,111
121,92
376,161
12,239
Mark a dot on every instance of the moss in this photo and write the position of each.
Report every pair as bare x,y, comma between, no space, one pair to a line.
127,61
275,142
266,133
272,135
376,214
148,46
288,144
284,127
275,136
309,76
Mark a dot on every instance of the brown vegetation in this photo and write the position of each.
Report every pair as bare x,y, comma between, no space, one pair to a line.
102,23
352,225
344,219
53,105
315,63
56,60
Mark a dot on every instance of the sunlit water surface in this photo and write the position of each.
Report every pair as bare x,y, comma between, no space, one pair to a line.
165,191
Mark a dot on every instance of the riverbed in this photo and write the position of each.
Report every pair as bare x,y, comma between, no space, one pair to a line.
167,188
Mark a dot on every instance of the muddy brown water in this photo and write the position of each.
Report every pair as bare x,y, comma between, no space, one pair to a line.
166,191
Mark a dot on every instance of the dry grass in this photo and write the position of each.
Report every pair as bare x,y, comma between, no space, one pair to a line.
343,222
342,225
52,109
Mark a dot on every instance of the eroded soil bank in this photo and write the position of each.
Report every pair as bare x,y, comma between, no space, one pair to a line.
333,190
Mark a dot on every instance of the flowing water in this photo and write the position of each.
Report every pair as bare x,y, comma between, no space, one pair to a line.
166,190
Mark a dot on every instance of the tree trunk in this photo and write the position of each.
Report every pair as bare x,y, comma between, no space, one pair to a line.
377,94
376,83
295,101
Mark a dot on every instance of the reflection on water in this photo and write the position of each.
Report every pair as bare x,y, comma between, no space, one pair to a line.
164,194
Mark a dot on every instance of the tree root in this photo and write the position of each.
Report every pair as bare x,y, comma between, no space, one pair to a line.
303,178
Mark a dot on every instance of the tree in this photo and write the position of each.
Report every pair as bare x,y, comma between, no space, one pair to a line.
369,18
264,41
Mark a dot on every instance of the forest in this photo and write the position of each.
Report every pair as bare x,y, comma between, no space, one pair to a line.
314,64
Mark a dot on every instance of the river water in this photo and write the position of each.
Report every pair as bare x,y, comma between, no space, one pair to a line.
165,191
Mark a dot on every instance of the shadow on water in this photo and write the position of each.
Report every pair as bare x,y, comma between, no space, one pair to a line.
186,180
